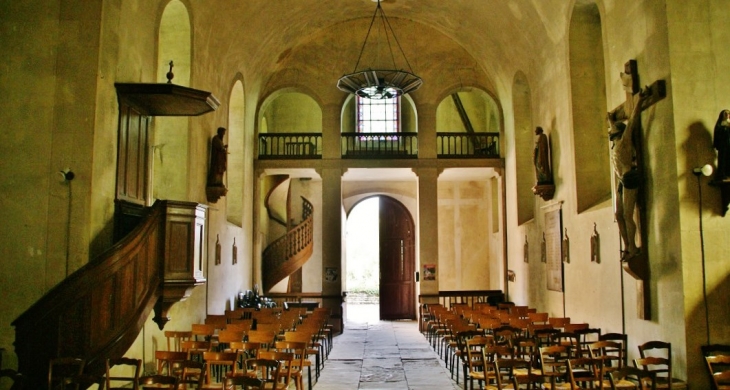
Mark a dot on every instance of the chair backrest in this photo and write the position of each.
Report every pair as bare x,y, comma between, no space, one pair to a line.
227,336
247,349
176,337
715,349
17,379
132,367
243,382
719,369
554,360
266,370
610,352
645,380
573,327
543,335
569,340
286,362
240,325
265,338
585,372
558,322
203,332
529,381
538,318
660,366
526,349
195,349
169,382
298,348
504,370
167,361
621,338
219,321
62,368
586,337
219,365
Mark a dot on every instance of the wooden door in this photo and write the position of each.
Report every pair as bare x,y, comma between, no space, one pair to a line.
397,261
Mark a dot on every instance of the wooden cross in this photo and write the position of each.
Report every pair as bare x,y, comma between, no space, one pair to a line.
638,266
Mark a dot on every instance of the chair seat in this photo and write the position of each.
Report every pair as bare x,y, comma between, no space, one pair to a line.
523,371
622,384
676,384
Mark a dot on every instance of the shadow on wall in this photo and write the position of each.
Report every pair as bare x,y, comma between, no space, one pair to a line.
719,330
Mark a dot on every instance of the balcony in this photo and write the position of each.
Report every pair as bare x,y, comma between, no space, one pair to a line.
379,145
291,146
467,145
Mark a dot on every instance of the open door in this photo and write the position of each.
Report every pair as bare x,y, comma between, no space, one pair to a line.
397,261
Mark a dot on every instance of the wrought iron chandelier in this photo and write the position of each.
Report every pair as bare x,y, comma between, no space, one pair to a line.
380,83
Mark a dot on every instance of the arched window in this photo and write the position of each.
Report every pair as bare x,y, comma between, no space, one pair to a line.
378,115
234,197
588,88
524,167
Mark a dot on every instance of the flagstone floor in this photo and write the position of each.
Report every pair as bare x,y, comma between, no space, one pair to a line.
373,354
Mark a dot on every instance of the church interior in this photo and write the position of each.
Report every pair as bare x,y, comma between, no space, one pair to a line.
91,146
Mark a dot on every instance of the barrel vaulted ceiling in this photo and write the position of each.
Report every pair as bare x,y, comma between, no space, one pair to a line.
501,36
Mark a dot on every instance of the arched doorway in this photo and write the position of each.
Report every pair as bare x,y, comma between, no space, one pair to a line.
381,257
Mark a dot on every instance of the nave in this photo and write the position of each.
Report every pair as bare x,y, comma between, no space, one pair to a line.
373,354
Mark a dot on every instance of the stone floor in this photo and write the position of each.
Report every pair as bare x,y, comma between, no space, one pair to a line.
373,354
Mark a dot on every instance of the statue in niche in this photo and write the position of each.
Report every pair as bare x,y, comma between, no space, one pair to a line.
721,142
545,187
595,246
566,247
218,164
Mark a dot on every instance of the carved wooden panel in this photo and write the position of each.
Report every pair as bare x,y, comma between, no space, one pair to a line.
133,165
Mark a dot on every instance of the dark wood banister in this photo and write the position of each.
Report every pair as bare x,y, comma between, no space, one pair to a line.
288,253
98,311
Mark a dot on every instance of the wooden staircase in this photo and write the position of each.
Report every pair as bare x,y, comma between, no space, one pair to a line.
290,252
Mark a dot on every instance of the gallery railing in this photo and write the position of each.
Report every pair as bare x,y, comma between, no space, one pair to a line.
290,146
467,145
379,145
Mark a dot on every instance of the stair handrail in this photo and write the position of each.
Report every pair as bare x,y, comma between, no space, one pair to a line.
290,251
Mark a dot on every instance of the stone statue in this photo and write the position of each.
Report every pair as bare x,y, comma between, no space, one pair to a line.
541,158
721,142
218,159
628,176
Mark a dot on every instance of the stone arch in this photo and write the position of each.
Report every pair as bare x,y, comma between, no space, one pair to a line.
524,168
588,103
291,110
236,154
408,110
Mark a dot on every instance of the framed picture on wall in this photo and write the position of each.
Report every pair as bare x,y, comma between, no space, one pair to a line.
429,272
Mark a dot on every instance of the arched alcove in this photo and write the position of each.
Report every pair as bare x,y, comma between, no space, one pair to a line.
171,133
292,112
236,158
479,106
524,167
588,89
407,111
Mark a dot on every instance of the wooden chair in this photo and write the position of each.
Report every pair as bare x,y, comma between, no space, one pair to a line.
195,349
243,383
585,373
719,369
286,360
610,352
61,369
538,318
620,338
571,328
568,340
219,365
299,349
715,349
313,349
266,370
266,339
586,337
505,370
240,325
84,381
192,374
17,379
656,356
527,350
168,362
176,337
554,363
219,321
471,354
642,379
168,382
133,367
203,332
227,336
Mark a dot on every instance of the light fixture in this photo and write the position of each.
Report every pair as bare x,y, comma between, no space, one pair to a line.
705,170
380,83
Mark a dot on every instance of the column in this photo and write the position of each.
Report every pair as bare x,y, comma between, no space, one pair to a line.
332,238
428,229
426,131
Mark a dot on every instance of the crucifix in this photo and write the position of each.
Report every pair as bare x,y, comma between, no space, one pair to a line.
625,137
